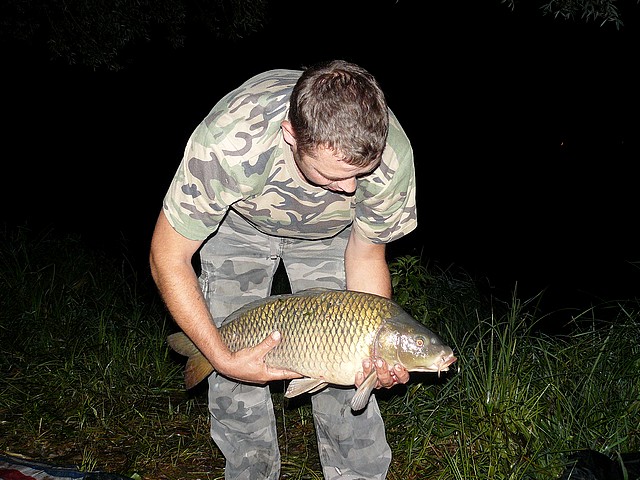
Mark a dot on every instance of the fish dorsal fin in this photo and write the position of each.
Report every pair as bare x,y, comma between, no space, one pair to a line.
253,304
317,290
298,386
361,397
261,301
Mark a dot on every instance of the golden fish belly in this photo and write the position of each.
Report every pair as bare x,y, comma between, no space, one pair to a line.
337,364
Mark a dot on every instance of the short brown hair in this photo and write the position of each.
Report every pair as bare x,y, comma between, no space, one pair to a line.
340,106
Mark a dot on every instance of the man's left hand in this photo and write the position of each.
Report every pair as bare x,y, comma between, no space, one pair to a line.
388,376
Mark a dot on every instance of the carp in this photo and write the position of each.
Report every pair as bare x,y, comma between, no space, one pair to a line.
326,335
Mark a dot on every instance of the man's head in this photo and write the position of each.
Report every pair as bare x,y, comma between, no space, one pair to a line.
341,107
338,124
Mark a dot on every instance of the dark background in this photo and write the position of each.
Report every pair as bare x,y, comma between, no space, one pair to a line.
524,129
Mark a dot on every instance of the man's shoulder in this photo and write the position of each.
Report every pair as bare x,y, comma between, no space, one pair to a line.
272,79
252,110
265,93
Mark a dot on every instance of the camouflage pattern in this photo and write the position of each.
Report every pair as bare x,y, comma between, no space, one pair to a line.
350,446
237,158
235,163
238,264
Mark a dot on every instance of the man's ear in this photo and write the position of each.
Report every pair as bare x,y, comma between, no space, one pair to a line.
287,132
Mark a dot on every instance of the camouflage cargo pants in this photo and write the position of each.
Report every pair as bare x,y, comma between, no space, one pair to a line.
238,266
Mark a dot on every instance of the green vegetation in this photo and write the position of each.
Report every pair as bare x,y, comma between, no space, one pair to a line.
103,35
86,377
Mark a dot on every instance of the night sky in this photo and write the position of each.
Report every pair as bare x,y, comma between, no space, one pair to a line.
524,129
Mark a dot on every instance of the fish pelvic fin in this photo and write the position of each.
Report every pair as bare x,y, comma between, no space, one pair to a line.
361,397
299,386
198,367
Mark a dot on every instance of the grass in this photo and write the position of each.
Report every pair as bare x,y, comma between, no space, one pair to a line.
86,377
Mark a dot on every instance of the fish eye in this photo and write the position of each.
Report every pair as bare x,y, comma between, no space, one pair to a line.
420,342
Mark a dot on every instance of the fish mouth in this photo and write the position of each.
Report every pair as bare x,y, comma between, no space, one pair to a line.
440,365
448,360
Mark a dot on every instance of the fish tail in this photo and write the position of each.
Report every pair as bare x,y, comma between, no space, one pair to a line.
198,367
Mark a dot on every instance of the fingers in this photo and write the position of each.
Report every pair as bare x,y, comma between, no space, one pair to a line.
387,376
269,343
366,369
265,347
402,374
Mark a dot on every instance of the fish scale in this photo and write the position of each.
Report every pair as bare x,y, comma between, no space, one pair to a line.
340,327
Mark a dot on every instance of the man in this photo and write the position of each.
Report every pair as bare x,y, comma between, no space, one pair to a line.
310,168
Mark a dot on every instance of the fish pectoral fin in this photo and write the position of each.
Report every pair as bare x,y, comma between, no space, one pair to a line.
361,397
304,385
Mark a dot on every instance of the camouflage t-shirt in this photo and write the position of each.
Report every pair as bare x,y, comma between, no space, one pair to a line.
237,158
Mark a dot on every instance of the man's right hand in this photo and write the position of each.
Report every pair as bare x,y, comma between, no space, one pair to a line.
248,365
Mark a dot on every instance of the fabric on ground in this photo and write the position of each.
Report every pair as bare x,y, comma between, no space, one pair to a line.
16,468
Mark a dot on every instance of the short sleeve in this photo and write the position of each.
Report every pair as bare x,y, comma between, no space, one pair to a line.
386,199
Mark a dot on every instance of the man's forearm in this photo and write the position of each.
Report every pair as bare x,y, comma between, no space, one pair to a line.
366,267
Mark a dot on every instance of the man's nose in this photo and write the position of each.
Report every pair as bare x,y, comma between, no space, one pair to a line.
347,185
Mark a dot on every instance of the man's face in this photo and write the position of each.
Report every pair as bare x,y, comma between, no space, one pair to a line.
327,170
325,167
